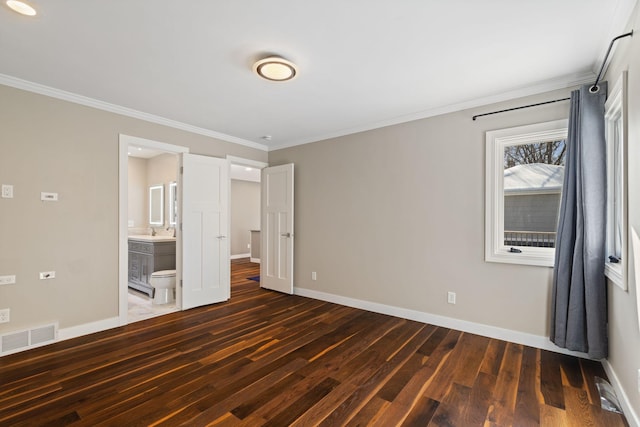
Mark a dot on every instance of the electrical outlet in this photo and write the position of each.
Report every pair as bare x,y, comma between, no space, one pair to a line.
451,297
4,315
7,280
47,275
248,245
314,276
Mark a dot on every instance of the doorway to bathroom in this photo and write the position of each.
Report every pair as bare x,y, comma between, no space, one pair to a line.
151,238
152,213
188,231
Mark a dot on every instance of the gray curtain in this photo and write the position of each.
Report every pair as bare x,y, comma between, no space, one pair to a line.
579,299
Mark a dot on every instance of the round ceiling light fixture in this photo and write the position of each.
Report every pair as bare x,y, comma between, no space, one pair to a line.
21,7
275,69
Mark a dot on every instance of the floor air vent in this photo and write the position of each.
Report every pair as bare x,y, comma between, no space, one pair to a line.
23,340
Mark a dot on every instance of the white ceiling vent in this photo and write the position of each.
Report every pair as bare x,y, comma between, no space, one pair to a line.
13,342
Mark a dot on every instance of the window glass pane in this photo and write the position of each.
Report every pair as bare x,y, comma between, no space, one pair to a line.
533,177
617,190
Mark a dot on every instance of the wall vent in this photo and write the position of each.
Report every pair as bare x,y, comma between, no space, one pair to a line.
13,342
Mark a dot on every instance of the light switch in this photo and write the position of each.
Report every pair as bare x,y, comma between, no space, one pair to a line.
7,191
49,197
7,280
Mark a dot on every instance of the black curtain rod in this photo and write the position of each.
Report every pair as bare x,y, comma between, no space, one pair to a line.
520,108
593,89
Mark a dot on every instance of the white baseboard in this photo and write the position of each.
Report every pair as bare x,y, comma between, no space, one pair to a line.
88,328
238,256
517,337
256,260
627,408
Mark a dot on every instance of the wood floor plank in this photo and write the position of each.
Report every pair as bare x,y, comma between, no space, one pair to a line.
493,357
451,411
461,362
527,411
369,413
352,406
550,416
551,380
505,392
267,358
480,400
590,371
473,351
571,371
373,355
578,408
300,406
418,385
422,413
402,377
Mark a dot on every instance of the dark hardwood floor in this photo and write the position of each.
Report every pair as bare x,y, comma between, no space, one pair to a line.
265,358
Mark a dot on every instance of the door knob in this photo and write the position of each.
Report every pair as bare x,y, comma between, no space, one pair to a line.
222,237
287,235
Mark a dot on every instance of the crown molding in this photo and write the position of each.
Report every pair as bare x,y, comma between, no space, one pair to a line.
546,86
564,82
117,109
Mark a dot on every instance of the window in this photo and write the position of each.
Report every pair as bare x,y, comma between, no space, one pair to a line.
525,173
616,137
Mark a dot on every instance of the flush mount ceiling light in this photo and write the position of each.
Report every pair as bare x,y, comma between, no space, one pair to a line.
275,69
21,7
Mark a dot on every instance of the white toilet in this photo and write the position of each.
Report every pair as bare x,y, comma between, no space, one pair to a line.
164,284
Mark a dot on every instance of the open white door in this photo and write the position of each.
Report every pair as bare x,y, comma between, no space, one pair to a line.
204,217
276,252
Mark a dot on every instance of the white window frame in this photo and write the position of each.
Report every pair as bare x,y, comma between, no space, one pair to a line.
496,141
616,115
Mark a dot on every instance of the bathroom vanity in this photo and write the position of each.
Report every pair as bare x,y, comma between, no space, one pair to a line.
146,255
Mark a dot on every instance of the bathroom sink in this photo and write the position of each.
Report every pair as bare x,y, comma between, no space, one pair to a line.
149,238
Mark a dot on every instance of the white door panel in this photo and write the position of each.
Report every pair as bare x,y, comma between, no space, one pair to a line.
205,230
276,255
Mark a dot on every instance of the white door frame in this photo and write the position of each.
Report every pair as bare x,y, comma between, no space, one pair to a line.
233,160
123,211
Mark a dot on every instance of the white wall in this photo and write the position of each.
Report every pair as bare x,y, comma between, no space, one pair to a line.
57,146
624,331
245,213
137,195
396,216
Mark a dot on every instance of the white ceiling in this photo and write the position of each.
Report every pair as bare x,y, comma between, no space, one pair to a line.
362,63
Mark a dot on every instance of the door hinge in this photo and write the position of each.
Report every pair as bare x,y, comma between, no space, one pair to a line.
181,170
180,226
180,282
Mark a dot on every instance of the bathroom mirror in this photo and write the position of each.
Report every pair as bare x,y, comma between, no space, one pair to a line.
156,205
173,207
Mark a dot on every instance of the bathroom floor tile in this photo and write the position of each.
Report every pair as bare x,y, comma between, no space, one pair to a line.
141,307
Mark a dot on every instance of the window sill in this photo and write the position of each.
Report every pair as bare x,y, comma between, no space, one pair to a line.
523,258
615,273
